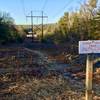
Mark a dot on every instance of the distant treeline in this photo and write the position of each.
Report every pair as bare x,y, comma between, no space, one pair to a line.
72,27
8,31
80,25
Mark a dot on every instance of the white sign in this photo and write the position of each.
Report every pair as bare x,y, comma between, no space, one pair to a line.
86,47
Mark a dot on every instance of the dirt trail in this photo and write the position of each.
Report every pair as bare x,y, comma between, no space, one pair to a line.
31,75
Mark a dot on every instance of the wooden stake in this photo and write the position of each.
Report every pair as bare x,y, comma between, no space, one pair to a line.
89,75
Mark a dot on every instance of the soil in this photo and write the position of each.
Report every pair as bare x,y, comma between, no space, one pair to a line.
27,74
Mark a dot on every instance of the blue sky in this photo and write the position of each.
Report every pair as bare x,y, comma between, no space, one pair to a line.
54,9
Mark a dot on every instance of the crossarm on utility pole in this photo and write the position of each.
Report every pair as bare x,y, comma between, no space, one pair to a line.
42,18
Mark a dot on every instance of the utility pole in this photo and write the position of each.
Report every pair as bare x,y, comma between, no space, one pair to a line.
42,28
42,18
32,24
31,16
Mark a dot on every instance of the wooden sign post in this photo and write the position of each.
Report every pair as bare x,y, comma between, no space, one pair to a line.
89,75
89,48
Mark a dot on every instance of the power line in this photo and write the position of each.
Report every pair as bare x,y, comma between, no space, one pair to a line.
64,7
23,7
44,4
